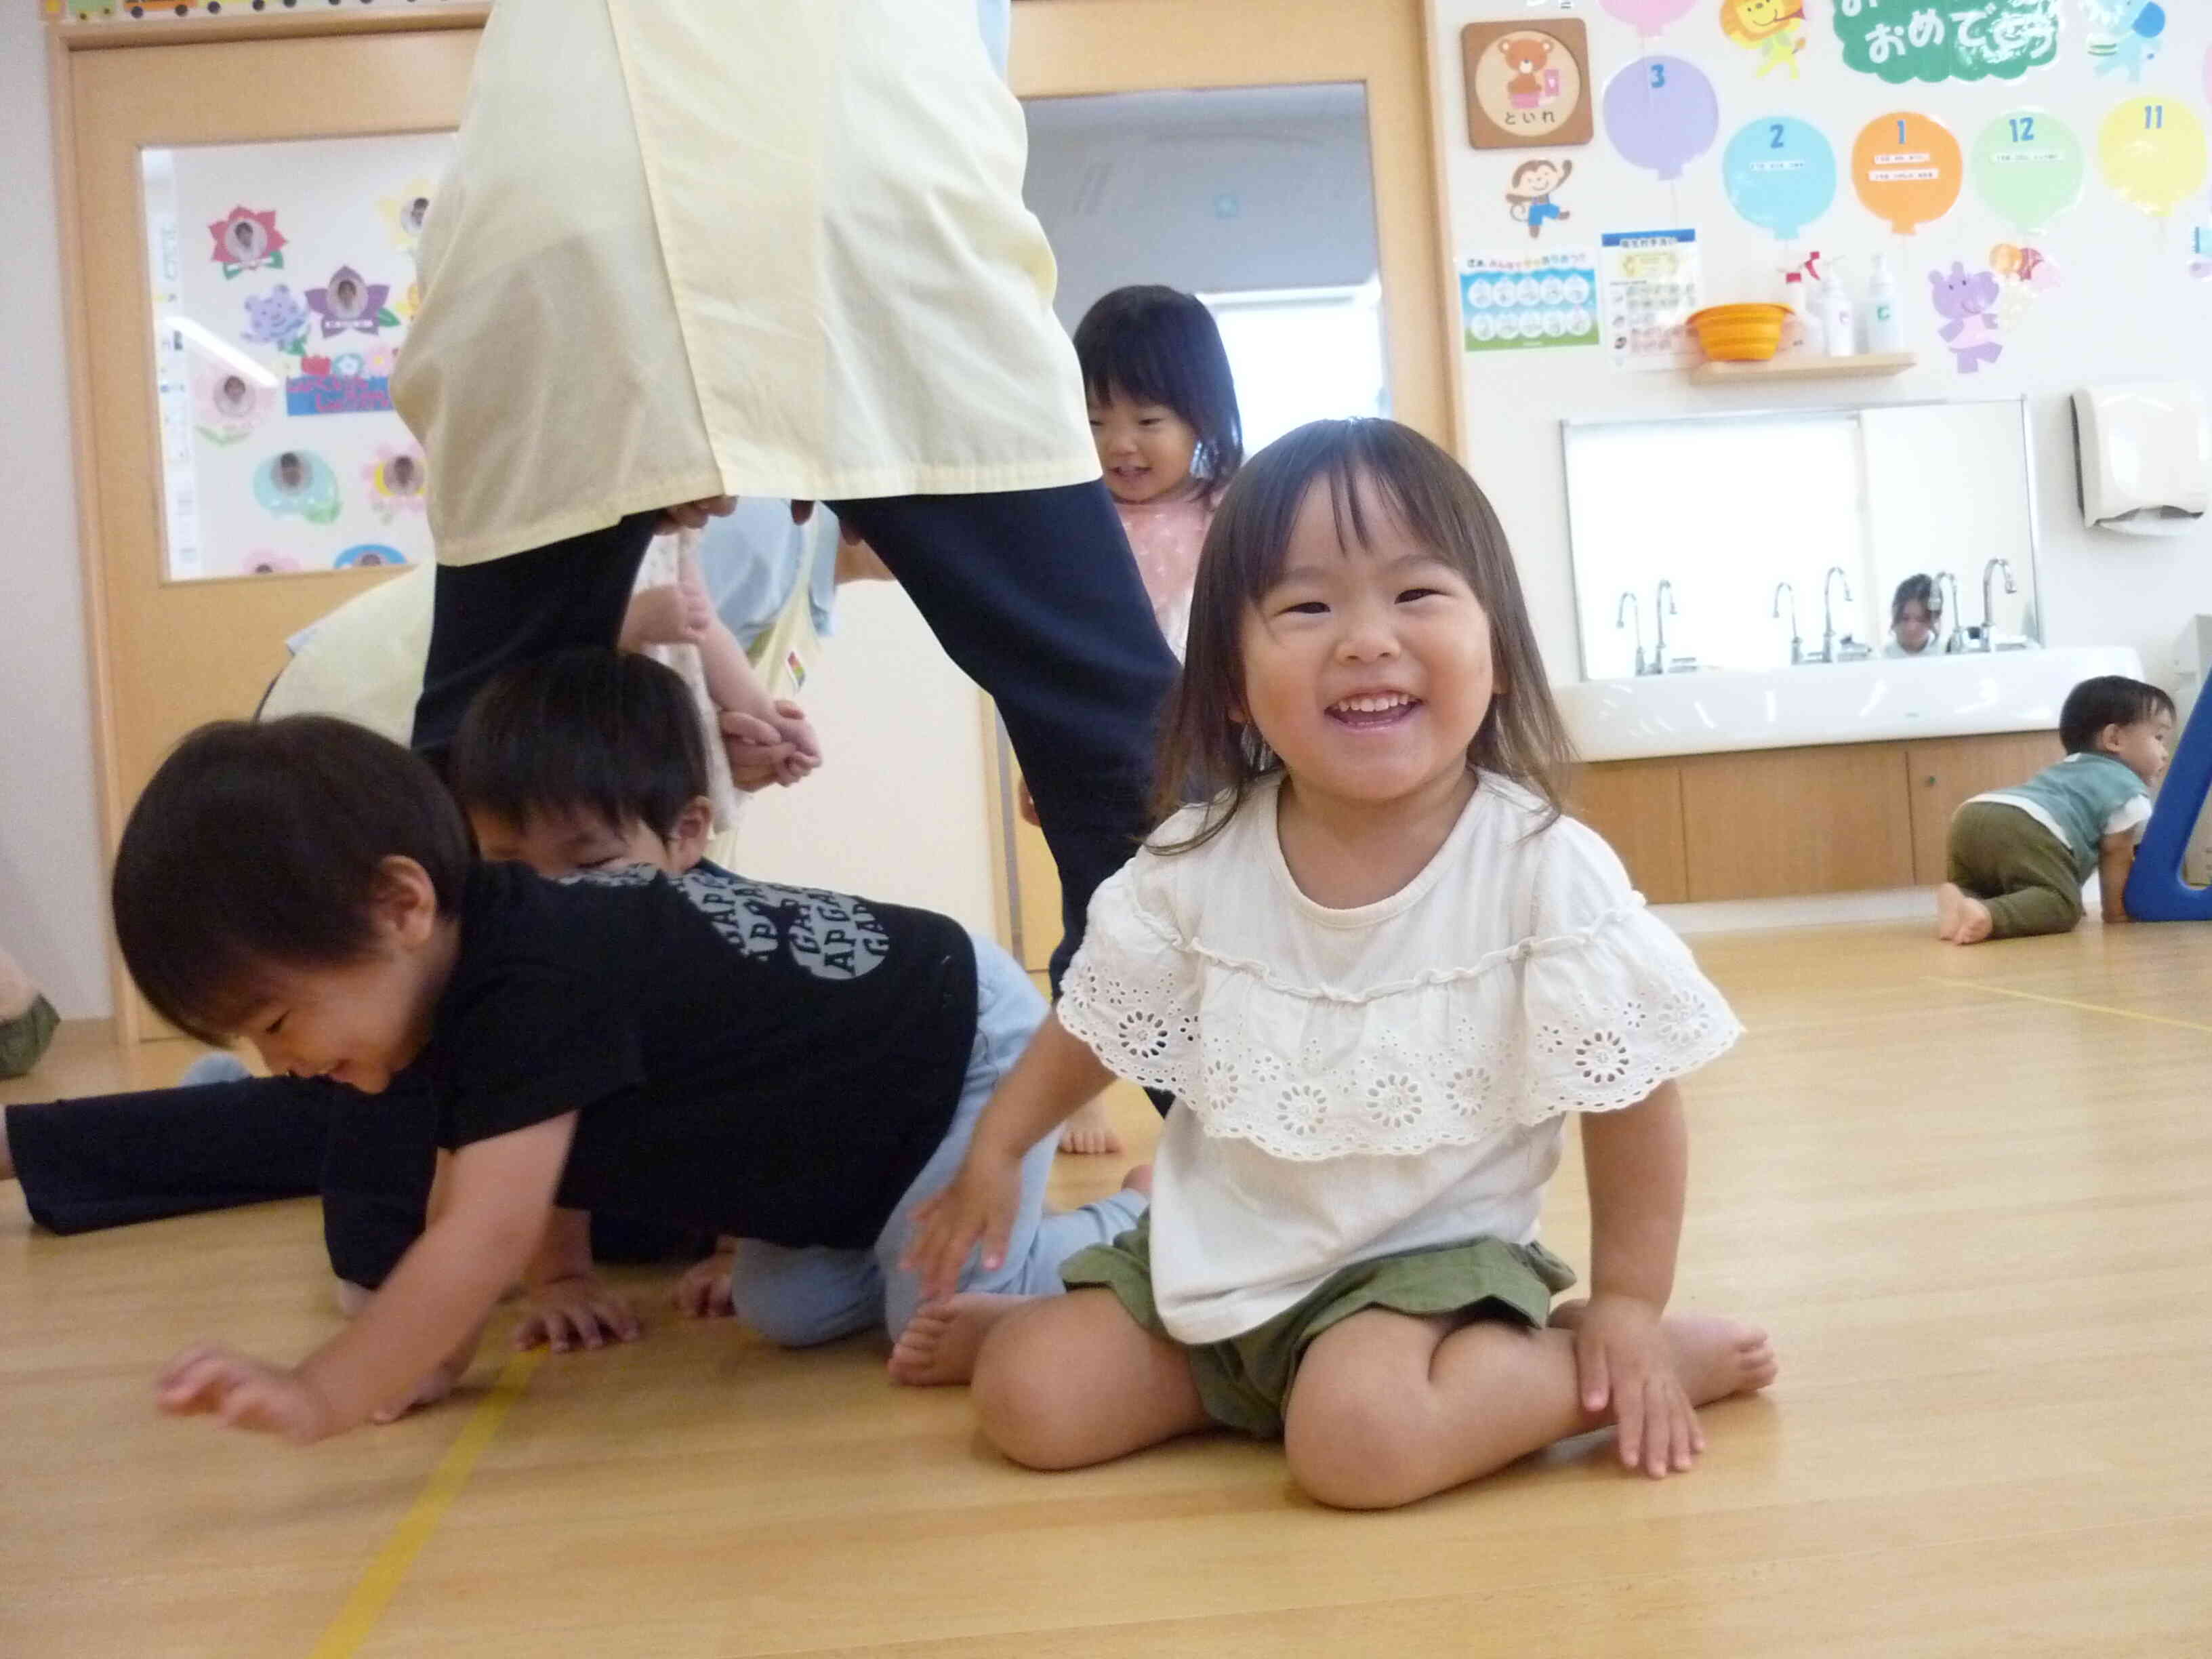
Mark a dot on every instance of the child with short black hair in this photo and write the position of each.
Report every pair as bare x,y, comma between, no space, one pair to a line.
789,1067
2020,856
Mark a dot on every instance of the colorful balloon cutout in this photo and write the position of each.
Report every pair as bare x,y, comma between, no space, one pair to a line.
2151,151
1647,17
1781,174
1906,169
1662,113
2028,167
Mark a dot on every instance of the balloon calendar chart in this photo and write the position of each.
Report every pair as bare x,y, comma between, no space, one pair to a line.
1780,173
2151,152
1907,169
1662,113
2027,168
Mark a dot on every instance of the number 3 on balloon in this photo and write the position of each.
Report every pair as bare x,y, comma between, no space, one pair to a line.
1658,76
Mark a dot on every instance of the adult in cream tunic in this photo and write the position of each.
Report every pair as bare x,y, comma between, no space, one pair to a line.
692,249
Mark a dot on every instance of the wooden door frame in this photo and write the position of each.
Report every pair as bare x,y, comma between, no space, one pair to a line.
63,44
1065,48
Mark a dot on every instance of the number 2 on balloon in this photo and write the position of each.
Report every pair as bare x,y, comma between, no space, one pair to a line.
1774,135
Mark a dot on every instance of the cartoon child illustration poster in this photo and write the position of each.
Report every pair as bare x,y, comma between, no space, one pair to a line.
1773,28
1529,197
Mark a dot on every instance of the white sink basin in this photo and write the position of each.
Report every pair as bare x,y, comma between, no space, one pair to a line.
1876,702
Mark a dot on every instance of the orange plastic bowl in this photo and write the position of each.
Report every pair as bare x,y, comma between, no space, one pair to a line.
1740,333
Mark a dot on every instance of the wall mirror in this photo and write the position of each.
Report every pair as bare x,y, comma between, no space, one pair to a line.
1785,537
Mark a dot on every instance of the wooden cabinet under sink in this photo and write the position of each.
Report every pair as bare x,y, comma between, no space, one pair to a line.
1776,822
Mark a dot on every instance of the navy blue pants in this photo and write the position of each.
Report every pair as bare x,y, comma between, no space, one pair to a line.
1032,592
112,1160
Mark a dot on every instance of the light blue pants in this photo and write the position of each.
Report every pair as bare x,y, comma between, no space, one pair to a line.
796,1299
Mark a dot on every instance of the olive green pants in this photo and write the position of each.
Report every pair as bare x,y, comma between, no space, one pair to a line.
2016,866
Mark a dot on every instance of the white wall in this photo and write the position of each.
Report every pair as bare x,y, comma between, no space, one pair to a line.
50,894
2128,306
1216,191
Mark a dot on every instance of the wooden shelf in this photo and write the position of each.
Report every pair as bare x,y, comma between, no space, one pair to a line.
1808,368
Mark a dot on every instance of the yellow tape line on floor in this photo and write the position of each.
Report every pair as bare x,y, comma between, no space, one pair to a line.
2064,1002
381,1580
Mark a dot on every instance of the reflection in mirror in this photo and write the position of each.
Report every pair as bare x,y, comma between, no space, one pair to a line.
1260,200
1760,541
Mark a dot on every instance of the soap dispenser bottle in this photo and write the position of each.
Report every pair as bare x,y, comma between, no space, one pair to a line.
1837,321
1885,329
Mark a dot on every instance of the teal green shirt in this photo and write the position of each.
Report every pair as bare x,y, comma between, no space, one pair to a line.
2079,798
24,1038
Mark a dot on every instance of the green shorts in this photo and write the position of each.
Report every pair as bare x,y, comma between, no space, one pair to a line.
1245,1382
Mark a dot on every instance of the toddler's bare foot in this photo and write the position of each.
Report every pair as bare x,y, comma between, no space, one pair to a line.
1139,1180
1961,918
1090,1132
1714,1357
941,1342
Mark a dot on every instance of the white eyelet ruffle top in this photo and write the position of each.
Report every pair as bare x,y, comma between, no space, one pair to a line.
1349,1084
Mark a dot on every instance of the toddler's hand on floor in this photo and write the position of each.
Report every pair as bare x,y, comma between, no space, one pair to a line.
207,1381
578,1312
979,1204
445,1376
703,1293
1623,1362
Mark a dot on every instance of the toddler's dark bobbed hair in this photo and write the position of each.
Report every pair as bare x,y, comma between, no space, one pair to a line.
592,728
1159,345
1364,465
2107,700
259,847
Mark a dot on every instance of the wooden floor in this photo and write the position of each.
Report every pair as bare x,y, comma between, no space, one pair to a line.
1969,1191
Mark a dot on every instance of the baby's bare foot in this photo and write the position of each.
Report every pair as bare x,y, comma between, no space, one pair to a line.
1090,1132
1139,1180
1960,919
941,1342
1714,1357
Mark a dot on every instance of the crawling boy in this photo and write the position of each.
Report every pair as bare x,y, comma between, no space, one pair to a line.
674,1042
2019,856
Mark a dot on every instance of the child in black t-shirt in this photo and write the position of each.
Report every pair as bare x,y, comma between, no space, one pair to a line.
792,1067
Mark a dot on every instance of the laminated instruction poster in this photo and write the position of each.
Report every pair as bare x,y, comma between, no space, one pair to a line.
1523,301
1650,283
283,283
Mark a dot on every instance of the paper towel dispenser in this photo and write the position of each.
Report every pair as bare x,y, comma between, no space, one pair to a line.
2145,451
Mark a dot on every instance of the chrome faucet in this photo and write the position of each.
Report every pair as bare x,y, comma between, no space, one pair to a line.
1797,640
1954,643
1662,606
1828,609
1989,614
1622,613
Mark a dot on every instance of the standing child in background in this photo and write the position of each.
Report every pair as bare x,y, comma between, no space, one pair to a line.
2019,856
1163,414
1378,969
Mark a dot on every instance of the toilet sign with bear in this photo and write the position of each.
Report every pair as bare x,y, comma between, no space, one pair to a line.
1527,84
